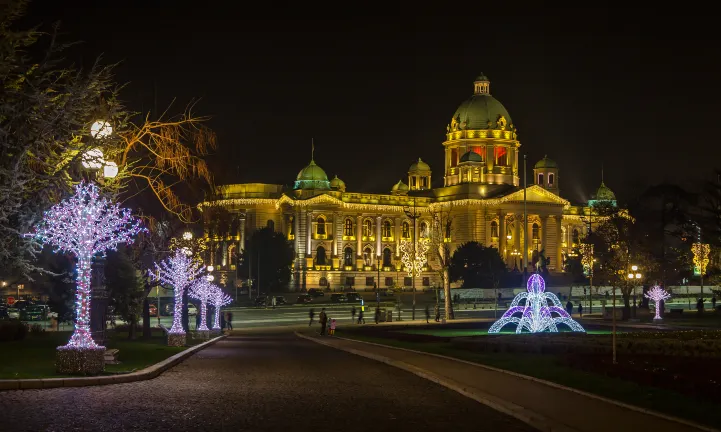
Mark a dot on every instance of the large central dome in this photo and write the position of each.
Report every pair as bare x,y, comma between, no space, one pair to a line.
481,111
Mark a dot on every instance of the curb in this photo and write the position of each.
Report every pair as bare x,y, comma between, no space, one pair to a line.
537,421
149,372
550,384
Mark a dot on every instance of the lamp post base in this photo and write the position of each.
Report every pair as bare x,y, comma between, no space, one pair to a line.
75,361
176,339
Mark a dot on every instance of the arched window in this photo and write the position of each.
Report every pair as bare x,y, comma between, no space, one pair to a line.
320,226
387,262
494,229
550,180
540,179
270,224
367,228
387,229
424,229
323,281
534,230
320,257
291,222
405,230
348,257
501,154
509,231
368,256
575,236
348,228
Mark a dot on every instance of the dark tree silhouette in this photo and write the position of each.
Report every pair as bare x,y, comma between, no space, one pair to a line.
269,255
477,266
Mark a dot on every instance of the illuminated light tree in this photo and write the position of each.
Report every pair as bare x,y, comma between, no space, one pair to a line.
180,271
85,225
414,265
657,294
218,299
536,315
203,290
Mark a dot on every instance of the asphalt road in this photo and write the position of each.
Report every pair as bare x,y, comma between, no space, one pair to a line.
263,382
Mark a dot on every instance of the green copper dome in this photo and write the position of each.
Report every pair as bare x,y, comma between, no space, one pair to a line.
419,166
605,194
399,187
312,177
471,156
545,163
337,183
481,111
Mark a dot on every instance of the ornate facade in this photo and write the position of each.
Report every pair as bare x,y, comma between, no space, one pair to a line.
345,238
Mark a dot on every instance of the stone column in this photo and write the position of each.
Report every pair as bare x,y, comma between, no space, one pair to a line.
397,236
502,234
544,237
517,238
379,220
333,225
559,239
296,239
308,234
242,233
359,236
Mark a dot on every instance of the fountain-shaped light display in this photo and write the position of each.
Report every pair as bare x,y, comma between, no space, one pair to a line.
536,315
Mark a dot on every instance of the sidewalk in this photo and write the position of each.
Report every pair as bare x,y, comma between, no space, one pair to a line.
546,406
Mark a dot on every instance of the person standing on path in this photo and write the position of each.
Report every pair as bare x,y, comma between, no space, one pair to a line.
332,327
311,315
580,310
352,314
569,307
378,314
230,321
360,317
222,321
323,319
428,313
438,313
273,302
197,321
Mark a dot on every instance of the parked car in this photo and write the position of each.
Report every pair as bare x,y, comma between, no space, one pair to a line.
314,292
338,298
153,310
261,301
13,313
33,313
192,310
304,299
353,297
280,300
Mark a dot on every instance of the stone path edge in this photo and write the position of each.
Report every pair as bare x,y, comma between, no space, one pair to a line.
149,372
551,384
518,412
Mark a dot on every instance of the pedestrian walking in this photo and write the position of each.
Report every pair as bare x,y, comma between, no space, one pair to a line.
360,317
713,302
438,313
580,310
273,302
569,307
197,321
428,313
311,315
230,321
332,326
222,321
378,314
323,319
352,314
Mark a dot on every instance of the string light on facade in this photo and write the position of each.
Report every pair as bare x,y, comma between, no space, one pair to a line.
86,225
657,294
415,264
192,247
203,290
218,299
535,315
180,271
700,256
587,258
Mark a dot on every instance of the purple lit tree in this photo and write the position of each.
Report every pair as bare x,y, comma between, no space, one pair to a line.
657,294
203,290
218,299
180,271
85,225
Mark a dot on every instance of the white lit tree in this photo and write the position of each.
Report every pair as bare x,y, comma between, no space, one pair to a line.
85,225
203,290
218,299
657,294
180,271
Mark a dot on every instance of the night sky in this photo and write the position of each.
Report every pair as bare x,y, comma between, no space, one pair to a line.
636,93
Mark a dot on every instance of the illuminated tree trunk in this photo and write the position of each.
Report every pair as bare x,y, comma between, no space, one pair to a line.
81,337
203,313
216,319
447,292
177,312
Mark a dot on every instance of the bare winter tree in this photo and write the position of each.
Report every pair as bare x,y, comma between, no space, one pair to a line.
440,236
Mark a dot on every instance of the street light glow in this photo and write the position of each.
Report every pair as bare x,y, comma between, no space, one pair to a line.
634,267
187,235
211,268
110,169
638,275
100,129
93,159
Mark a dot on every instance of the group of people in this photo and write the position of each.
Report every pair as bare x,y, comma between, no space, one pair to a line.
323,319
226,320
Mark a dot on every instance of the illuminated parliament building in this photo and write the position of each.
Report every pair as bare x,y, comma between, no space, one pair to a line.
342,237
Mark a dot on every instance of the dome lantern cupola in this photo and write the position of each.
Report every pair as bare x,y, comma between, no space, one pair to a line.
482,85
545,174
419,176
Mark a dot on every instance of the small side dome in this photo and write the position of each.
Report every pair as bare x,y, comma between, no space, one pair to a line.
605,194
419,166
337,184
399,188
545,163
471,156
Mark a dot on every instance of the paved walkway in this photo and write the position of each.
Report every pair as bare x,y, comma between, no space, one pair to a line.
547,407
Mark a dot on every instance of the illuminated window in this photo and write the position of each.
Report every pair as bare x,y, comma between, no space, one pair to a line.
494,229
348,228
387,262
323,281
320,257
575,236
479,151
291,222
389,281
501,155
535,230
270,224
348,257
454,157
367,228
320,226
424,182
550,180
423,230
540,179
405,230
387,229
368,256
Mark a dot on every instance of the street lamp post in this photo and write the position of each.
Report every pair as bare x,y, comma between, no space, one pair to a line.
413,216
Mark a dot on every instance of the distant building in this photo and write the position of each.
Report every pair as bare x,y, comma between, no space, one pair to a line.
341,237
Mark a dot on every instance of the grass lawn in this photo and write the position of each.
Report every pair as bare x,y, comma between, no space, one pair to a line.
548,368
34,357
